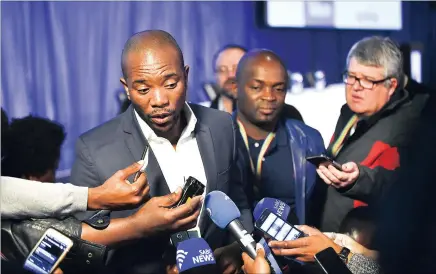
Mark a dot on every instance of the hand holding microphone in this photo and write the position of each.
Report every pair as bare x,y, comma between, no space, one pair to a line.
258,265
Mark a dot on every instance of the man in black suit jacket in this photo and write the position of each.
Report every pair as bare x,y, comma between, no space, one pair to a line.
184,139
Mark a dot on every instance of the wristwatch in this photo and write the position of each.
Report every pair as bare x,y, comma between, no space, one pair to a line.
343,254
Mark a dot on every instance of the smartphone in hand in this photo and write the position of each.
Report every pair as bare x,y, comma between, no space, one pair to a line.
192,188
322,159
47,254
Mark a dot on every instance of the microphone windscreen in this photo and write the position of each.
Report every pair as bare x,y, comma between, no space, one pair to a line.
193,253
221,209
275,205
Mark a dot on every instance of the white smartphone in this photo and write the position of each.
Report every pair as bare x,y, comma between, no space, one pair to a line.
48,252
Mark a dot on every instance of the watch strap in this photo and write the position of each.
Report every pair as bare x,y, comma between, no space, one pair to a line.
343,254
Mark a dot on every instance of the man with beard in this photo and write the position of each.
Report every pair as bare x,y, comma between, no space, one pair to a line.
225,62
184,140
272,147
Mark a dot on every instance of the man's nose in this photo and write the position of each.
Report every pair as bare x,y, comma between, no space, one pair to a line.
159,98
268,94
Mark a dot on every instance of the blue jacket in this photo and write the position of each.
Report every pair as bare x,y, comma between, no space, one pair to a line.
304,142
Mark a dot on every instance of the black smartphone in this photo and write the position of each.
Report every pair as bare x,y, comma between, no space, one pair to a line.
321,159
330,262
277,228
191,188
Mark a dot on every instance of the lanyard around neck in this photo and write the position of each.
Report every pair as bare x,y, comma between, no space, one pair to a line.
339,143
262,152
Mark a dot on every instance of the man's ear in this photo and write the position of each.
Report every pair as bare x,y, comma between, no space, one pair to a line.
126,88
393,87
186,73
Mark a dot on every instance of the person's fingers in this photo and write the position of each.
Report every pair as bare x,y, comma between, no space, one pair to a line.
188,222
140,183
331,235
229,269
308,230
289,252
260,252
187,209
289,244
246,259
323,177
172,269
329,175
188,226
58,271
349,167
172,198
145,192
123,174
342,176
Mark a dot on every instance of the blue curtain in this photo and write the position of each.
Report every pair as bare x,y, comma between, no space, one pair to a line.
61,60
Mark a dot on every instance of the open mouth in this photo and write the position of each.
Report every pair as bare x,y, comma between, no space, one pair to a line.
161,119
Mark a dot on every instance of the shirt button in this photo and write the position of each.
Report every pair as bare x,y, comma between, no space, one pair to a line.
256,144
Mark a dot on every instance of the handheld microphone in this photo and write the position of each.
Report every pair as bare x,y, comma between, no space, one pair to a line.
194,254
225,214
276,206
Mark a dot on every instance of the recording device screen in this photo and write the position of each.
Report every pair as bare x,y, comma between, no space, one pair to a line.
192,188
276,227
45,255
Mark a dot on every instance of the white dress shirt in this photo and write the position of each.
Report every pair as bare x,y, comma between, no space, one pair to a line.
180,163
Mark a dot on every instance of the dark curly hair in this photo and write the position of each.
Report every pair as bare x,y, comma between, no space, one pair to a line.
32,147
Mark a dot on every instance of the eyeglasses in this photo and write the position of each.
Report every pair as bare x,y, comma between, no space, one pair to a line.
225,69
364,83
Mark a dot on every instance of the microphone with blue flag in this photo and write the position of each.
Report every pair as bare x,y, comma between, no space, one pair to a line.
278,207
282,210
225,214
195,255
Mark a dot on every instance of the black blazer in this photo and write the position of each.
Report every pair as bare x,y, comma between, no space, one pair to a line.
119,142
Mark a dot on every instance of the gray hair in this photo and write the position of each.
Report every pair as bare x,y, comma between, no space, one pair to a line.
378,52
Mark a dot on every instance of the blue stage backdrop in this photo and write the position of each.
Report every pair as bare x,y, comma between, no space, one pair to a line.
61,60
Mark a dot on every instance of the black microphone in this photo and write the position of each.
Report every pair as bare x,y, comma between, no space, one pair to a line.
225,214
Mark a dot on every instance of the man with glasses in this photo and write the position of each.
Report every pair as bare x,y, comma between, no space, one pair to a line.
372,130
225,62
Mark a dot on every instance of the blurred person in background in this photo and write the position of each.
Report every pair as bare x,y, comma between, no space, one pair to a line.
225,62
271,147
377,120
32,148
360,225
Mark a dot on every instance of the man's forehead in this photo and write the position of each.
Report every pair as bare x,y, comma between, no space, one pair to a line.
152,59
232,55
257,66
368,71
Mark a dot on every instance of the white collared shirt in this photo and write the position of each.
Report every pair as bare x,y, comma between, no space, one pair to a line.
180,163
